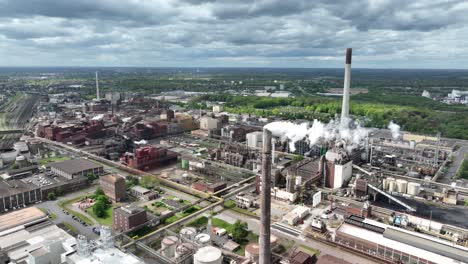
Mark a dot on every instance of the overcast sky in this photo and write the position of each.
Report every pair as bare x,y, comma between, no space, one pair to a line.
234,33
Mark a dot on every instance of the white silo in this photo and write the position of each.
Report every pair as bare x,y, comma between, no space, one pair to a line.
414,188
188,232
203,239
391,184
384,184
402,185
168,246
208,255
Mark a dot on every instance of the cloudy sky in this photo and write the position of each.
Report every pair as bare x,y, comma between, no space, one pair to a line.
234,33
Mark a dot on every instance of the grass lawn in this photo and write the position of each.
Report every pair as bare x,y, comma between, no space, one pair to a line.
311,250
65,203
199,222
108,220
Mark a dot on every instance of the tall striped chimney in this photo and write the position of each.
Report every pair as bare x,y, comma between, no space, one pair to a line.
347,83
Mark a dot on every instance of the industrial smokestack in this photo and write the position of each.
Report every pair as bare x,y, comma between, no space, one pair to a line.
97,87
273,141
265,250
347,83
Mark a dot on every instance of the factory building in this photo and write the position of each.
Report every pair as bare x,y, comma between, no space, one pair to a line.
28,236
74,168
128,217
15,194
148,158
397,245
209,123
143,193
254,139
114,187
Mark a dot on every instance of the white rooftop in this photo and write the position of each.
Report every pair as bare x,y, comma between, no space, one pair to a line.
381,240
106,256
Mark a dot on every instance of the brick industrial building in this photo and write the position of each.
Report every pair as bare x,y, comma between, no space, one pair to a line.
128,217
148,158
114,187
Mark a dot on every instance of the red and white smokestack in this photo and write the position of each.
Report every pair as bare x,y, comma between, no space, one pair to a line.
265,200
346,88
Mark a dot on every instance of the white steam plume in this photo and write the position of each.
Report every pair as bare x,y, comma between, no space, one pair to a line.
395,128
319,131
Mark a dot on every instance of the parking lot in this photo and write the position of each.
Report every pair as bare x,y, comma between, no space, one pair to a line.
63,216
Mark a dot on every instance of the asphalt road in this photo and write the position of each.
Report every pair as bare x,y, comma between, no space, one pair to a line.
53,207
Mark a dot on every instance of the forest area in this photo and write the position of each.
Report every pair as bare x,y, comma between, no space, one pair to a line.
412,113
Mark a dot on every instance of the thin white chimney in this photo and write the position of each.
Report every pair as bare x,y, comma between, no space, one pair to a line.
98,97
346,88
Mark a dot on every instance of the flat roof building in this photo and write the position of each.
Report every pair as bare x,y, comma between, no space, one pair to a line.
128,217
16,194
114,187
28,236
76,167
395,244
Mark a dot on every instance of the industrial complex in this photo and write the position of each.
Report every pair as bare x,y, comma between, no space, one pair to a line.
126,178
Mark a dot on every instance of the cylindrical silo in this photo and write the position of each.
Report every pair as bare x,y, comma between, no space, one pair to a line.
188,232
203,239
168,246
414,188
252,252
391,185
384,184
208,255
401,185
184,250
298,180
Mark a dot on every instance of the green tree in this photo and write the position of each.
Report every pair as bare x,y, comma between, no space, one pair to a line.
132,181
98,192
99,209
91,176
51,196
104,199
239,231
149,182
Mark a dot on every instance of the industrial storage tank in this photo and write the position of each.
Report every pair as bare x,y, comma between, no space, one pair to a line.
385,184
208,255
401,185
188,232
414,188
298,180
203,239
183,250
252,252
391,184
168,246
185,164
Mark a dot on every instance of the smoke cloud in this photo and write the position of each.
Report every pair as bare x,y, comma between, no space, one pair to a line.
352,136
395,128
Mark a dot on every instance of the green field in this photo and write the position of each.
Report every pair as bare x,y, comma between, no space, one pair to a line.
52,160
106,221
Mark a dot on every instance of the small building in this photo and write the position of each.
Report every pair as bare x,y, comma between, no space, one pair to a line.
143,193
114,187
128,217
300,257
245,201
208,123
71,169
215,187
